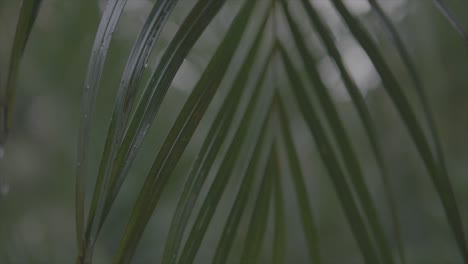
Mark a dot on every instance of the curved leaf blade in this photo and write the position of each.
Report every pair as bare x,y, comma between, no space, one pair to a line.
259,220
440,4
363,111
180,134
254,129
27,17
344,143
437,172
280,226
209,150
96,62
356,221
232,224
103,194
297,175
155,91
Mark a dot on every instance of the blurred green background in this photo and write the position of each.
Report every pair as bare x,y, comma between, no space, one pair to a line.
37,169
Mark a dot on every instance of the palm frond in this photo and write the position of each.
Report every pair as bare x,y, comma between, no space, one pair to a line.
437,172
259,220
145,111
250,127
252,144
136,64
231,227
361,107
101,44
307,215
210,148
180,134
344,143
332,163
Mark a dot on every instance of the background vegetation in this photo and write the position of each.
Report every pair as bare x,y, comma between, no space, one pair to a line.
39,159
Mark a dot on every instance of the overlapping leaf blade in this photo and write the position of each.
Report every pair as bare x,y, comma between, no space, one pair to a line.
249,126
259,220
332,164
344,143
96,62
305,208
154,93
437,172
156,89
181,133
125,137
214,140
231,228
124,100
362,109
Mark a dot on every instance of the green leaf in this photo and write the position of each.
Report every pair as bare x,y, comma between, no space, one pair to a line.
231,228
27,16
418,84
358,226
250,125
249,146
279,239
209,150
307,215
259,220
437,172
181,133
440,4
155,90
364,113
125,98
153,95
344,144
96,62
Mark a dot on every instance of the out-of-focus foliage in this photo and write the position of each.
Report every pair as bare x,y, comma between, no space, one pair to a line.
37,184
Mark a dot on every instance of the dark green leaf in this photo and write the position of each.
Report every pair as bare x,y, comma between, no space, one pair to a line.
125,98
437,172
362,110
358,226
279,244
232,224
96,62
344,144
181,132
258,222
209,150
27,16
305,208
250,125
